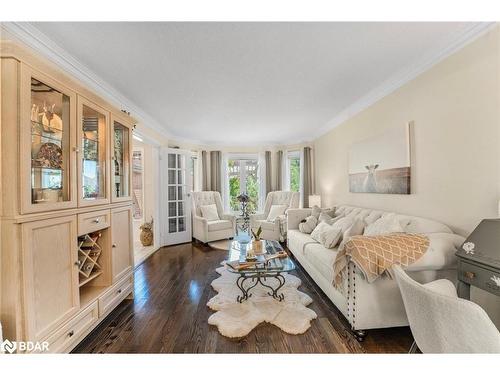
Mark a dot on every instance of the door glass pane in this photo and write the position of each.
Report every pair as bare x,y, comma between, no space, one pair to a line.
50,121
172,209
120,159
180,193
171,176
180,177
172,225
182,224
93,153
171,193
171,161
180,205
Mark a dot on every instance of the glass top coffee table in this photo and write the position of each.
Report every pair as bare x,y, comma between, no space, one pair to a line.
255,264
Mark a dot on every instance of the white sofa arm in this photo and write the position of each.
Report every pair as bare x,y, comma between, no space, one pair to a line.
231,218
295,216
200,222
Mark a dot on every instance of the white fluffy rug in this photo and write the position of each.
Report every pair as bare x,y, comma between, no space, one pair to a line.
235,319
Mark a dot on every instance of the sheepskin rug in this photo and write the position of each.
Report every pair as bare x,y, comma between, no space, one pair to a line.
235,319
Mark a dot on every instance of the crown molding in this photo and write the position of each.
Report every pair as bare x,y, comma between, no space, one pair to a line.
399,79
30,36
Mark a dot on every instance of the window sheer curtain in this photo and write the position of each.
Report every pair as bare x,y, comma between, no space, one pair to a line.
269,177
225,182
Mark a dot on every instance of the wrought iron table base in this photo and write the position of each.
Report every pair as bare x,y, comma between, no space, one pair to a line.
260,279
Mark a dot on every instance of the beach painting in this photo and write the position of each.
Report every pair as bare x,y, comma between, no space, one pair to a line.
381,164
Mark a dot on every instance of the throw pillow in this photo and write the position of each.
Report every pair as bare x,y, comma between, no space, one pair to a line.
275,211
315,211
320,228
330,237
309,225
356,229
385,225
328,219
209,212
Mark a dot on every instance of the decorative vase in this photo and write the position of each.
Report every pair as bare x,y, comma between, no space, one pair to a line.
146,236
257,246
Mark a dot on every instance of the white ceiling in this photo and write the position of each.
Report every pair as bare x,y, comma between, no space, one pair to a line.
248,83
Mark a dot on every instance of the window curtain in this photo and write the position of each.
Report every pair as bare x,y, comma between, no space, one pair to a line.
262,175
279,170
225,182
269,187
215,171
306,172
204,171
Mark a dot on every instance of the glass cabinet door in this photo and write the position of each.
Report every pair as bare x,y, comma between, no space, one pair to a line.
93,123
49,134
120,163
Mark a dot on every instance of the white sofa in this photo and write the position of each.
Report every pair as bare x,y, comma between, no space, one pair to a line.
378,304
207,231
274,230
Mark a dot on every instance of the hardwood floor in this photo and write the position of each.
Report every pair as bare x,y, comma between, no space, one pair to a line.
169,315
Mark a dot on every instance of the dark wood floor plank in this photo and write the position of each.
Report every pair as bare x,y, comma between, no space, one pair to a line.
169,315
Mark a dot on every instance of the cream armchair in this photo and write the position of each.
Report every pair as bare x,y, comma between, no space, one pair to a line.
274,230
207,231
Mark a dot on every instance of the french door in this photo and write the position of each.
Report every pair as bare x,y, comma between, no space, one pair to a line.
175,191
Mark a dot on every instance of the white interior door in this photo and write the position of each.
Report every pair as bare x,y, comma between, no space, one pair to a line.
175,190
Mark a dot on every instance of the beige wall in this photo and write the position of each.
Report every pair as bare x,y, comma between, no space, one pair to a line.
455,146
455,157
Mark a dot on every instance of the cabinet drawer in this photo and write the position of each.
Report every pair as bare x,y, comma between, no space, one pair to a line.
480,277
71,332
92,221
115,295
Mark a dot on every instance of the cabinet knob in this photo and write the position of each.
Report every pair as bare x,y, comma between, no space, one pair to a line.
97,220
469,275
71,333
119,291
114,245
76,149
78,263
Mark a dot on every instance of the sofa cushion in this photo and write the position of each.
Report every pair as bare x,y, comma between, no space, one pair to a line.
330,237
321,258
319,230
209,212
440,254
356,229
297,240
217,225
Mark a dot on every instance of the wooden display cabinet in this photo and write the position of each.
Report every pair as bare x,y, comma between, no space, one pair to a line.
58,184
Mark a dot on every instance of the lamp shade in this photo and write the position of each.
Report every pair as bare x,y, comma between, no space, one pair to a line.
315,200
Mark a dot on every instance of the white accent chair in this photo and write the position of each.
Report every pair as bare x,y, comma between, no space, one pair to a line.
274,230
208,231
443,323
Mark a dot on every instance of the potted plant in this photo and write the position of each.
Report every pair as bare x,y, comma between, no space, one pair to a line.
147,233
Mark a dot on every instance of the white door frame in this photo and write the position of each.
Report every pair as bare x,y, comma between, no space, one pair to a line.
167,236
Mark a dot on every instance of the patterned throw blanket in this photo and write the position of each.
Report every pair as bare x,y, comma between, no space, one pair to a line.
375,255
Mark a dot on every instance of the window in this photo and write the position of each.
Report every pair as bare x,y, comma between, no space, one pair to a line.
243,177
293,171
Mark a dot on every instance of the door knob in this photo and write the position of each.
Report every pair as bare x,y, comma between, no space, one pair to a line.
114,245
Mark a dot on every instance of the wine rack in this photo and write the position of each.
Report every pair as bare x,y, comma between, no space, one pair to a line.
89,252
